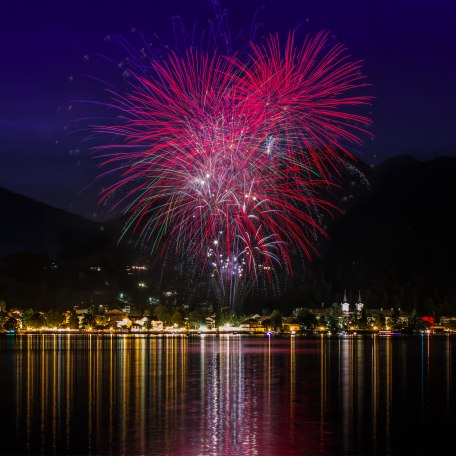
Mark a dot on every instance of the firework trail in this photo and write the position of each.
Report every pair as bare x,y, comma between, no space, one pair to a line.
222,159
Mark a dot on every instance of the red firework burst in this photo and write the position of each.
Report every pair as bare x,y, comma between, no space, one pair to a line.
217,149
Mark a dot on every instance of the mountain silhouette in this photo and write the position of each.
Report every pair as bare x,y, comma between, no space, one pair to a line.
394,239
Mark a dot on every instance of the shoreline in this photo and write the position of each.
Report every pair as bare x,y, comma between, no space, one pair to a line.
219,333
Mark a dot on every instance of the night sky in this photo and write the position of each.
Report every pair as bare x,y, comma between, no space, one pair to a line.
50,47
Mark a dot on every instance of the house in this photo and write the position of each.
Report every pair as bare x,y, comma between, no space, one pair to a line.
139,320
210,322
155,324
290,325
15,316
126,309
82,311
120,322
118,319
81,314
252,325
136,328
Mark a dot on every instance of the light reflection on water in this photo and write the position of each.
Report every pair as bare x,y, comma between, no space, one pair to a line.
227,395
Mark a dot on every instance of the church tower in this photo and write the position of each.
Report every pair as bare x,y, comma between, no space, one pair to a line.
345,306
359,304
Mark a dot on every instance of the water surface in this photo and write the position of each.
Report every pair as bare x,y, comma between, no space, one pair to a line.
227,395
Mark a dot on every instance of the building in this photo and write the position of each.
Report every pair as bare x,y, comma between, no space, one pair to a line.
290,325
252,325
359,304
155,324
120,322
126,309
345,305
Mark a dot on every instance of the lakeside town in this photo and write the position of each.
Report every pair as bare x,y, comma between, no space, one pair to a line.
342,318
104,294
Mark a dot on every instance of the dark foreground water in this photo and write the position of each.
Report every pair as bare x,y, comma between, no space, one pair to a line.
227,395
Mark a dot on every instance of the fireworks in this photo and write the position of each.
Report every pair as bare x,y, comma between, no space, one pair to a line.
222,159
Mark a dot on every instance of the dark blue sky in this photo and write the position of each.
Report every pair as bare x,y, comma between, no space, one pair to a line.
409,49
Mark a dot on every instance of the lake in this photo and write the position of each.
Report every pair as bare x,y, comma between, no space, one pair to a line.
227,395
